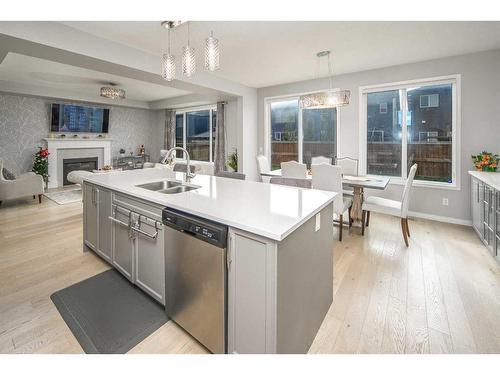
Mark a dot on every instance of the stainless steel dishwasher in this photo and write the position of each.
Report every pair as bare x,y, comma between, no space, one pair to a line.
196,277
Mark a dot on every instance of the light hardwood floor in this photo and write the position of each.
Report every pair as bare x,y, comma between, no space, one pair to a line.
439,295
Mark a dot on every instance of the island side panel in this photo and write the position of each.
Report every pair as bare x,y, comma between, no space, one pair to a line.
304,283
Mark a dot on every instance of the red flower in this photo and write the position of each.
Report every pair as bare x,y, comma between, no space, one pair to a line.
43,153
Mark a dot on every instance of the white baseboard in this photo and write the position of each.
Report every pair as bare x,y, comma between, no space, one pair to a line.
443,219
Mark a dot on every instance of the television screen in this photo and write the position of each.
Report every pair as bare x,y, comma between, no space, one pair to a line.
79,119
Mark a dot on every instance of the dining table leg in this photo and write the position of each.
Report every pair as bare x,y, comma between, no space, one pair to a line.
357,202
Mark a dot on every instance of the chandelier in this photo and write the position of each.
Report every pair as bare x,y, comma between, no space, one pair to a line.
112,92
325,99
188,61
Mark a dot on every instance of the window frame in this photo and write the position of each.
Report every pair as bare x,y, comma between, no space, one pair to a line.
211,108
455,81
300,137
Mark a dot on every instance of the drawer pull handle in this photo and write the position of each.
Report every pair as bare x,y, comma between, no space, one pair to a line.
117,221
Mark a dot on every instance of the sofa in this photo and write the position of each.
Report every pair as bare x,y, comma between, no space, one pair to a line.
21,186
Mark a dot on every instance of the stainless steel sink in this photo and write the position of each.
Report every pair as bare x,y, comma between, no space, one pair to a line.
160,185
179,189
168,187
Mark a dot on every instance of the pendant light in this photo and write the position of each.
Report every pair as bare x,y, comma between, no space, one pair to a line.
168,62
188,58
212,53
326,99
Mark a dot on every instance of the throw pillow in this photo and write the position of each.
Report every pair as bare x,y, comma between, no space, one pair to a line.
8,175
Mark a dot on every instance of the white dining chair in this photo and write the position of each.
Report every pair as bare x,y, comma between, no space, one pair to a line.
329,177
320,160
296,182
262,166
350,168
293,169
391,207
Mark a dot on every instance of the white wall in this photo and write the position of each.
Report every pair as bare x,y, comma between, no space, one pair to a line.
480,98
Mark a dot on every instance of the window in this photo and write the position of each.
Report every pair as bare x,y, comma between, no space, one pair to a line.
195,131
429,101
300,134
425,135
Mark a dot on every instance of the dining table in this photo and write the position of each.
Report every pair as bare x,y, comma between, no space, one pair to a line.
358,183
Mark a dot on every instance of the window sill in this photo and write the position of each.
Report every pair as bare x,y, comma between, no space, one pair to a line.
423,184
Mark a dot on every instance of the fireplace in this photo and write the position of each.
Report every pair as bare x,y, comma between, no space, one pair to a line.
77,164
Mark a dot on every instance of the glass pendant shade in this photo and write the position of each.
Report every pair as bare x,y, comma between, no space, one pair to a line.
168,67
188,61
326,99
211,53
112,93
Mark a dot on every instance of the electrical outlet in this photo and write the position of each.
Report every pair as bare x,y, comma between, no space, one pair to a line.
445,201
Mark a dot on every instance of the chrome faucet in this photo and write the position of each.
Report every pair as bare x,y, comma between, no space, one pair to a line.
189,175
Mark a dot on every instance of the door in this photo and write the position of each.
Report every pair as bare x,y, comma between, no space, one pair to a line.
104,224
476,207
90,216
122,242
150,258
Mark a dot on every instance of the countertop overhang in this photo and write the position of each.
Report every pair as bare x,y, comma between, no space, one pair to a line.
490,178
269,210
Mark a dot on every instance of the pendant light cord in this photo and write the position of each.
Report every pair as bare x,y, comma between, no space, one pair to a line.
169,41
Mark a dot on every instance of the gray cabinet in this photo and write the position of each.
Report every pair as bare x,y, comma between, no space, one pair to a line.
138,245
123,242
104,227
485,205
150,257
90,215
476,206
97,226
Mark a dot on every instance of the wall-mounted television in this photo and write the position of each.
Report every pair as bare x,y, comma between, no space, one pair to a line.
79,119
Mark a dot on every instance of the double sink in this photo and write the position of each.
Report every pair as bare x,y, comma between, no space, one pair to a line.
168,187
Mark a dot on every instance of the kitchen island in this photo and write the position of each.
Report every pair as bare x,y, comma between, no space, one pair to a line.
279,250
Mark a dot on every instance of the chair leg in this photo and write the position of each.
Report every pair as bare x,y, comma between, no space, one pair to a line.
363,217
407,227
367,218
341,219
0,203
403,228
350,218
39,198
34,196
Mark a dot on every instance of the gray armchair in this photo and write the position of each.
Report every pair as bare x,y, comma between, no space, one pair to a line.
24,185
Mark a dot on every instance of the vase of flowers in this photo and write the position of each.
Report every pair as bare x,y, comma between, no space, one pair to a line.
485,161
41,164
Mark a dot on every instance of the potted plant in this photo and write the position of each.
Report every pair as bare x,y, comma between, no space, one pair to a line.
232,160
41,164
485,161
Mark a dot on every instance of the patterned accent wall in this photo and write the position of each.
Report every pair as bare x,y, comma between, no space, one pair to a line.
25,121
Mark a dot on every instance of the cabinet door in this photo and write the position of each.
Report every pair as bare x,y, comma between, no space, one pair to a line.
251,275
90,215
150,259
122,244
104,224
476,207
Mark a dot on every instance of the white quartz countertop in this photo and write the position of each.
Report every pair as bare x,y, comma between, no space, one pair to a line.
269,210
490,178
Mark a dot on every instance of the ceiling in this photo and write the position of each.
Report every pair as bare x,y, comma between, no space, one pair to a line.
259,53
33,71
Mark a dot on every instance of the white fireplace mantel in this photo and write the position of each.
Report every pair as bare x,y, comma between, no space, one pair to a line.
56,144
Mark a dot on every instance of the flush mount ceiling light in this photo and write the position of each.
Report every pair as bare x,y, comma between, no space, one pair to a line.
112,92
212,54
325,99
